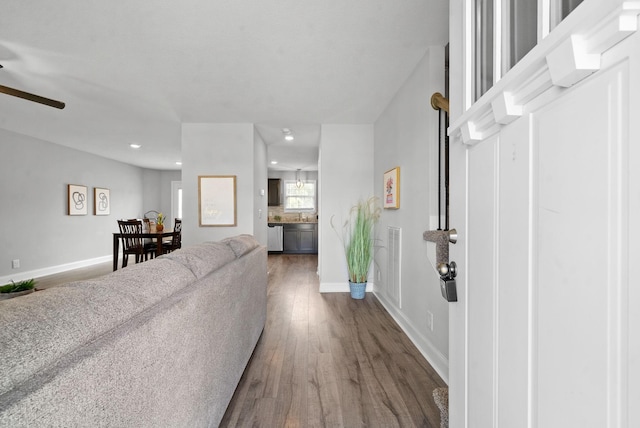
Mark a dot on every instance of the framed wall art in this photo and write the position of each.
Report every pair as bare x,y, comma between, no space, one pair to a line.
217,200
77,199
101,201
392,188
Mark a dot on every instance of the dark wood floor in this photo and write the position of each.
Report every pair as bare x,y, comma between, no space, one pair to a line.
324,360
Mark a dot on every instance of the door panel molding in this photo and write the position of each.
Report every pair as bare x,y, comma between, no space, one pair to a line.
482,286
576,210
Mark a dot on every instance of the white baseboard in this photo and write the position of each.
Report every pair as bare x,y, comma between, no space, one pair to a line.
437,360
340,287
36,273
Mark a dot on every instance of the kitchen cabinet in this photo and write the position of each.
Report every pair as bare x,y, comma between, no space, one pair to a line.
300,238
274,192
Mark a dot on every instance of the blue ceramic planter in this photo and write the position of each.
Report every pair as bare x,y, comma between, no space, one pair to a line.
357,289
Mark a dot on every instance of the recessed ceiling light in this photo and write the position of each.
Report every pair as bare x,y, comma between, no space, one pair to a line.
287,134
178,163
274,162
135,146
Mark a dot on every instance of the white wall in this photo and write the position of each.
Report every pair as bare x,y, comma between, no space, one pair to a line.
346,171
35,226
260,186
157,191
218,149
406,136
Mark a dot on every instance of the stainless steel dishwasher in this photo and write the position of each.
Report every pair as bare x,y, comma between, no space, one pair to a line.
274,237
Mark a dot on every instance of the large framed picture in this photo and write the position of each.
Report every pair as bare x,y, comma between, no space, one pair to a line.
101,201
217,200
77,199
392,188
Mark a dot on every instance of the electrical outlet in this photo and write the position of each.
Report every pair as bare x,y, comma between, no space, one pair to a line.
15,264
430,320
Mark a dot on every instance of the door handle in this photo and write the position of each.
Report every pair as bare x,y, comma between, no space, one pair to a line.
446,269
448,272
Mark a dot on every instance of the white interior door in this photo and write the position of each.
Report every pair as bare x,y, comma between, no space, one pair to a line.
176,199
546,200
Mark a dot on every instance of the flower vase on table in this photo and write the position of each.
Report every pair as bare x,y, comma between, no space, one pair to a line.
160,223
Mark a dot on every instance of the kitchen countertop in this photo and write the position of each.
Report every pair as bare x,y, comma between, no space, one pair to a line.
293,222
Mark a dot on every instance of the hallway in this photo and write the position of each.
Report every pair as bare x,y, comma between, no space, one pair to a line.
326,360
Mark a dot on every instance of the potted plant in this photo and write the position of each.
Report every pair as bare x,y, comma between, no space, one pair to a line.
358,242
160,222
16,289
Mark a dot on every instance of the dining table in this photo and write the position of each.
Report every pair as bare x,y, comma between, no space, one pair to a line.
158,236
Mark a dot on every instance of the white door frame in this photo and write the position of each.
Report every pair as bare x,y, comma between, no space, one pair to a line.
176,186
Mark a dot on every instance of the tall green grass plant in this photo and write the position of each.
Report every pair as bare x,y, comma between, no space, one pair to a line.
358,238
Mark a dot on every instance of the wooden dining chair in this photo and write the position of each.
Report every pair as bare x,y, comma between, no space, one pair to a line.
132,245
176,239
150,246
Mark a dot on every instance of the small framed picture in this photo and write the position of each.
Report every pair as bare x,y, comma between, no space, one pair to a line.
77,199
392,188
101,201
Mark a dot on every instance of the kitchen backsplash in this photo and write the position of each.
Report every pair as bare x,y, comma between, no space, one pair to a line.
289,216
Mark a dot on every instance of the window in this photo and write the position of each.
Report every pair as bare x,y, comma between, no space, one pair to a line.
506,30
521,31
560,9
484,46
300,198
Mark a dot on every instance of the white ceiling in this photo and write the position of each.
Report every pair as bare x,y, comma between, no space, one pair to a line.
134,70
301,153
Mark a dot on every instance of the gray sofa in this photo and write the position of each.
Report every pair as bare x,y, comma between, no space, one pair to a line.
161,343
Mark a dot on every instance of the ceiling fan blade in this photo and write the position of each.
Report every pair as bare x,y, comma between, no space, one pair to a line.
31,97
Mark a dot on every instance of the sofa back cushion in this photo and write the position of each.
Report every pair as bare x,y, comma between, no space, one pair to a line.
203,258
241,244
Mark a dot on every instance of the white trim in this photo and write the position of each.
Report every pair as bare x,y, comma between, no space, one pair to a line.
37,273
499,24
584,36
176,185
340,287
544,19
570,62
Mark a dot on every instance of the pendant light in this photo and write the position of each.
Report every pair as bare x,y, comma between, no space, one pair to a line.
299,182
